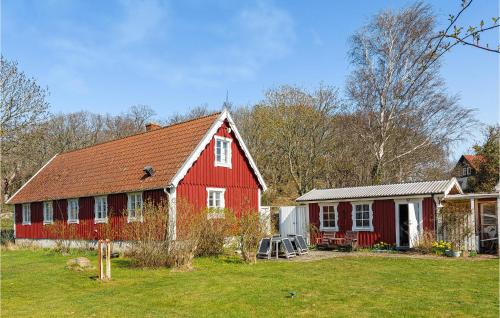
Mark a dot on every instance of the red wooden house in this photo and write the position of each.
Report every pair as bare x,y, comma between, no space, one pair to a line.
393,213
203,161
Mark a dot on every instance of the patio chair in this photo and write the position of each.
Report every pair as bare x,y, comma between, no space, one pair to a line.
264,250
350,241
299,244
325,241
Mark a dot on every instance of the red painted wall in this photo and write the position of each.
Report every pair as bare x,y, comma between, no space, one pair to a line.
240,182
384,221
85,229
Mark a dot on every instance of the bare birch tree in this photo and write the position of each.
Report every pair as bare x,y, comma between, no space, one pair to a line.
396,94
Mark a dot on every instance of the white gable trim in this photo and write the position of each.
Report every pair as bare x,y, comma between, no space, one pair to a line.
206,140
453,182
14,195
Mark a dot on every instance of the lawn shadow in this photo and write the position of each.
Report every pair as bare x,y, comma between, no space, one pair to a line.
122,263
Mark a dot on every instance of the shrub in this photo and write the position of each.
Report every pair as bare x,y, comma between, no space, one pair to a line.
455,224
214,233
251,230
150,238
63,233
424,243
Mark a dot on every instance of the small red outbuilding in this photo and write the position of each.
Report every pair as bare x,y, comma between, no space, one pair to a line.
393,213
203,161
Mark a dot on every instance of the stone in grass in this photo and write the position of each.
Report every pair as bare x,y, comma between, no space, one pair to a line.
79,264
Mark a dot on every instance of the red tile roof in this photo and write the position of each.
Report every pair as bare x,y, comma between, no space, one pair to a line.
474,160
117,166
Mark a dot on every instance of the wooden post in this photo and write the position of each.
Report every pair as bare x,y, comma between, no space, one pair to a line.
99,257
108,259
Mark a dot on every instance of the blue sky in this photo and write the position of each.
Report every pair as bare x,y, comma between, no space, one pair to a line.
104,56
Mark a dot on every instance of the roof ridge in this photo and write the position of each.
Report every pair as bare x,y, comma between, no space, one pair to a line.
377,185
140,133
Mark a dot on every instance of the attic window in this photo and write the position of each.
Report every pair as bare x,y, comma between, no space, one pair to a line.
223,152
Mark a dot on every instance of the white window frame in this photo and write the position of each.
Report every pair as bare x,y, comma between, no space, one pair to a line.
97,206
73,219
336,213
48,212
368,228
215,211
229,141
26,214
136,217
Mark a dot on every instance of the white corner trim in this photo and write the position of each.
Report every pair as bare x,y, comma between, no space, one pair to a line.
323,228
172,210
229,155
181,173
14,195
353,216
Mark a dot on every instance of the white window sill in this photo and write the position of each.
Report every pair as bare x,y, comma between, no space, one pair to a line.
329,229
26,223
98,221
48,222
223,165
215,216
130,220
362,229
73,221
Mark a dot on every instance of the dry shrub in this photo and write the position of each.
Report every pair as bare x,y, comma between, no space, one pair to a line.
424,243
214,232
64,234
150,238
455,225
153,241
251,229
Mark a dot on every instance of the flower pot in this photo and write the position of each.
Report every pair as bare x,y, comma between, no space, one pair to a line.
451,253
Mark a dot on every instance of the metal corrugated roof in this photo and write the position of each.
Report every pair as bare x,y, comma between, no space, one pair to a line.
386,190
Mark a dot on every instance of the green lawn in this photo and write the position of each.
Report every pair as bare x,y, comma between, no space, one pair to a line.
35,283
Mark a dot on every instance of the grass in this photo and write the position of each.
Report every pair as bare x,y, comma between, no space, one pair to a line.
36,283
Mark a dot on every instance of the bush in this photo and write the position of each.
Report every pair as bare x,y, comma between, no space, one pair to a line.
456,224
150,238
424,243
251,230
6,236
214,233
383,246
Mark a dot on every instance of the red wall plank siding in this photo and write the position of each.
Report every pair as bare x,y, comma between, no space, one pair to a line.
384,226
239,181
428,214
86,228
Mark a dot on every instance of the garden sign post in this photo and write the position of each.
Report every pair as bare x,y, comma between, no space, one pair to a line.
106,246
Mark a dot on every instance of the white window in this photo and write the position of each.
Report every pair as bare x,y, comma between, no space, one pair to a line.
329,218
362,216
134,206
48,212
222,152
73,211
101,209
466,171
215,202
26,214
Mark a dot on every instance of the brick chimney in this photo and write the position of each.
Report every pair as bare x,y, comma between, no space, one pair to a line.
152,126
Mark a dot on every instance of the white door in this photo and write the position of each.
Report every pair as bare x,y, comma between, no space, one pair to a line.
294,220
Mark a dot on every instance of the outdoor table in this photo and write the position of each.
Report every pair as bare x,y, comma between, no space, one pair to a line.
277,241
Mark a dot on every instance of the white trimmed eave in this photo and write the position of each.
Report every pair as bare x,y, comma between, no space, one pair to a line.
30,179
395,198
181,173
